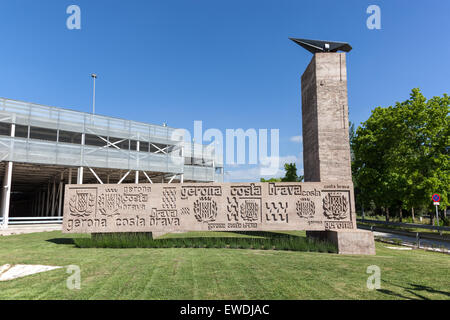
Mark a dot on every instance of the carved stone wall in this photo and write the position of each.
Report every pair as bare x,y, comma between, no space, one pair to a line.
208,207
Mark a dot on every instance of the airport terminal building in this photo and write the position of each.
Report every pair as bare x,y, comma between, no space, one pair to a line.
42,148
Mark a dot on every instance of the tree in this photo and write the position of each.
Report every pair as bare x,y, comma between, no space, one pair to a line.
401,154
352,135
290,175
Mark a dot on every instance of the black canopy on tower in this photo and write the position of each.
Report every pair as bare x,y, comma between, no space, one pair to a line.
315,46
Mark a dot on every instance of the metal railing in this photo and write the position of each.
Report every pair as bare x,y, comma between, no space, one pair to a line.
66,154
199,173
33,220
405,225
59,118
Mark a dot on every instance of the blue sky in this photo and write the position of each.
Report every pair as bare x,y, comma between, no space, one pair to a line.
227,63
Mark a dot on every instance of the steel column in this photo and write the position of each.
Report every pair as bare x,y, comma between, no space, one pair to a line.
6,192
136,179
61,183
80,169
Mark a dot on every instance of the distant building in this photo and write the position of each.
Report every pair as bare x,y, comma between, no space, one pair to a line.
43,148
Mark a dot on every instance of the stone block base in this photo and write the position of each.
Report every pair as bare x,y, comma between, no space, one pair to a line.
348,241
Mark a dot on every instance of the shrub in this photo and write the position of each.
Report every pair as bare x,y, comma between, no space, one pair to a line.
444,222
270,241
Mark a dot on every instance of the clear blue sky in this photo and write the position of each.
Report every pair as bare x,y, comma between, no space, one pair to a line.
228,63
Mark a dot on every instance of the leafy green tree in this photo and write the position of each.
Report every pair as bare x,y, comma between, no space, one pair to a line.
352,135
290,175
401,154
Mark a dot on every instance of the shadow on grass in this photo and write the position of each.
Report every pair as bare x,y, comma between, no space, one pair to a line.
62,241
392,293
413,289
418,287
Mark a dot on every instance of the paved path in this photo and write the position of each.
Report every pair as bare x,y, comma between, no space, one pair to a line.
424,243
29,229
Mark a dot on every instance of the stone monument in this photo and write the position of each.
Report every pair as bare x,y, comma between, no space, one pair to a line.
326,145
323,205
164,208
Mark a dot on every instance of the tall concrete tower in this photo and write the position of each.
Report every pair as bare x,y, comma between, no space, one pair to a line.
326,146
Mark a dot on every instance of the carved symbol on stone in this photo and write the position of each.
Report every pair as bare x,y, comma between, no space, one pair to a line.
82,203
164,217
205,209
250,210
305,208
232,209
169,198
108,202
104,213
336,206
277,212
185,211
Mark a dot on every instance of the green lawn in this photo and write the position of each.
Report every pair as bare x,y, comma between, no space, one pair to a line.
218,273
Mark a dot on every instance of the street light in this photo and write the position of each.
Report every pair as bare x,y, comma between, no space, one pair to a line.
94,76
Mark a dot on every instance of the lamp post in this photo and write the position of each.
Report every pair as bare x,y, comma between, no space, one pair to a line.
94,76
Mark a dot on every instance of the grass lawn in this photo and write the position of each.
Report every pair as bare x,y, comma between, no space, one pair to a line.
185,273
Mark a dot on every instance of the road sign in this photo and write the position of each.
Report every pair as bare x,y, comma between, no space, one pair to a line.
436,203
436,198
